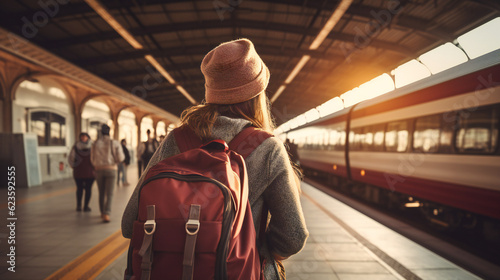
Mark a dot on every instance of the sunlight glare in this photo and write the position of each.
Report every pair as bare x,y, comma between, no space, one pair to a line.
443,57
312,115
377,86
410,72
481,40
331,106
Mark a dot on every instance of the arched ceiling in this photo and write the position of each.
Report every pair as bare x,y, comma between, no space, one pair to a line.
371,37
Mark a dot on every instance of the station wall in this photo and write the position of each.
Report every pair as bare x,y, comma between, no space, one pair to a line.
42,108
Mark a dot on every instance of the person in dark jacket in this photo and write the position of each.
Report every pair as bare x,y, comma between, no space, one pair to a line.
145,151
122,166
83,170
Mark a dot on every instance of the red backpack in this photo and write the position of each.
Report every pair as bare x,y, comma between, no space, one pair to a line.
194,219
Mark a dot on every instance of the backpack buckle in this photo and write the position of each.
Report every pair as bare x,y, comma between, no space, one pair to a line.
150,227
192,227
150,224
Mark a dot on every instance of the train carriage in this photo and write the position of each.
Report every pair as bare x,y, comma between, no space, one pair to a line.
432,144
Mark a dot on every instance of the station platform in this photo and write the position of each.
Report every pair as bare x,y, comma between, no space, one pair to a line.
53,241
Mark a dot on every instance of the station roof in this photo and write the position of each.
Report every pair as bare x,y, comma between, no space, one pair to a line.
369,37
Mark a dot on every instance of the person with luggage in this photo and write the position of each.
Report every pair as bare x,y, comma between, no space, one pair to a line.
106,154
236,103
83,170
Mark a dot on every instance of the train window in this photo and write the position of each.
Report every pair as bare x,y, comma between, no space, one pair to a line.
356,139
368,143
38,127
49,127
324,144
343,135
396,137
333,139
317,141
426,134
477,131
300,142
374,138
378,139
337,140
447,129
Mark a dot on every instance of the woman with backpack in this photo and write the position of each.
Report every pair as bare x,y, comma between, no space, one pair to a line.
83,170
235,81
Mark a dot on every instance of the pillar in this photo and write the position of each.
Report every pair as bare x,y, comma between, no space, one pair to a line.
11,75
155,124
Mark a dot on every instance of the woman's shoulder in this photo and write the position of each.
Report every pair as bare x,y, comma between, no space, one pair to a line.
272,148
272,143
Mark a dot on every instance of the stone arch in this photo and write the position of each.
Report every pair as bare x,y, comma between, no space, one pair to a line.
6,106
42,105
147,122
94,112
37,92
127,123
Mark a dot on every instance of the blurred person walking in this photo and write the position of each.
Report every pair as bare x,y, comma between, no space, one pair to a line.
145,151
123,166
106,154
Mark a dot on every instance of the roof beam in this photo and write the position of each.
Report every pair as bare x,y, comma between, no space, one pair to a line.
167,28
199,25
129,83
327,28
494,5
199,50
75,9
142,72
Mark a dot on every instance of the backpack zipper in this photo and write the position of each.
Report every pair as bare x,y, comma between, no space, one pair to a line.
227,217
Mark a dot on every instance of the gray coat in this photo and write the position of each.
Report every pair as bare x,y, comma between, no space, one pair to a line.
271,181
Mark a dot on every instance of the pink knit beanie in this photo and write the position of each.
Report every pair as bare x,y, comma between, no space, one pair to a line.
234,73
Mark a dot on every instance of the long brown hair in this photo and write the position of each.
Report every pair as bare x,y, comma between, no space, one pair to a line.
201,118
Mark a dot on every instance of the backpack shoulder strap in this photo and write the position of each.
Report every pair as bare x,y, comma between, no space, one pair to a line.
186,139
248,140
244,143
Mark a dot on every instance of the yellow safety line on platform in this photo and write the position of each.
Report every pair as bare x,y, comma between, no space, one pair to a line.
40,197
91,263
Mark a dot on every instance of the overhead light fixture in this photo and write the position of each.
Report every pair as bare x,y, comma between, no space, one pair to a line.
323,33
186,94
159,68
105,15
278,92
169,78
330,24
297,68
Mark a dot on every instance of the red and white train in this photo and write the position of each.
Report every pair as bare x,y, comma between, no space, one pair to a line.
433,144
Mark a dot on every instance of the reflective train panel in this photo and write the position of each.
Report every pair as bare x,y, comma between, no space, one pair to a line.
435,141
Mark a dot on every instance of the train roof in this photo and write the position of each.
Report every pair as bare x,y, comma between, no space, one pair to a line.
471,66
460,70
